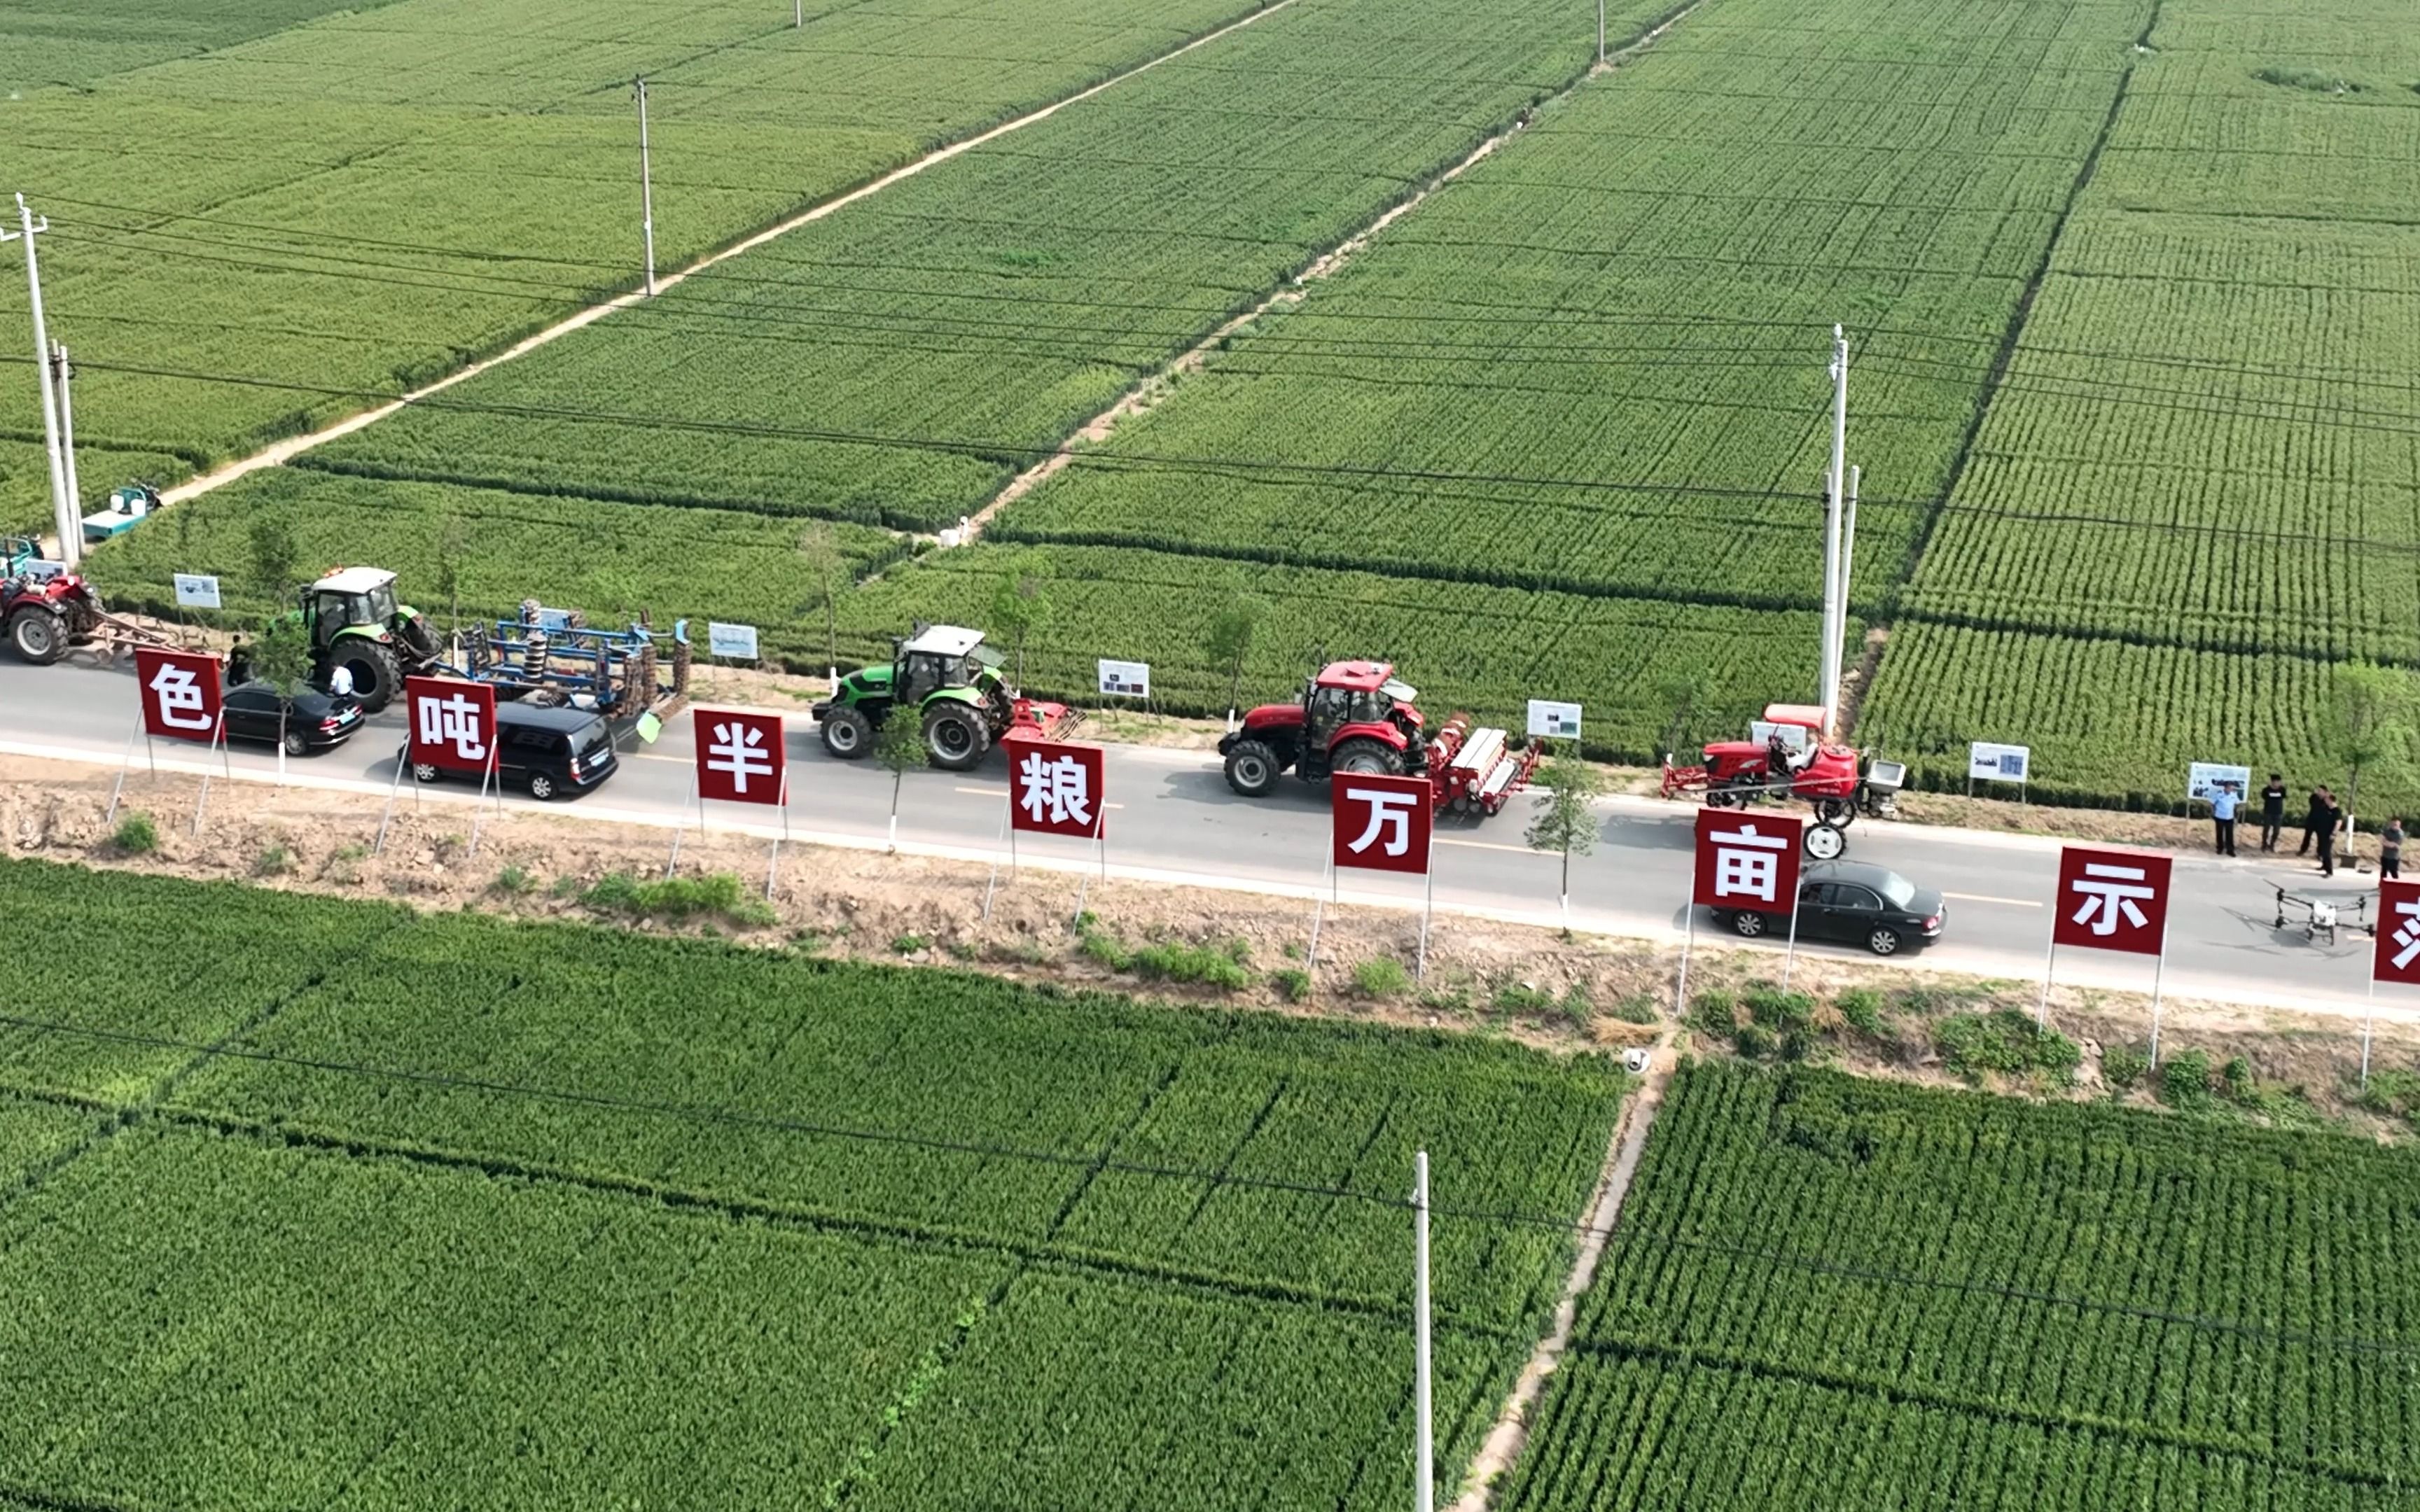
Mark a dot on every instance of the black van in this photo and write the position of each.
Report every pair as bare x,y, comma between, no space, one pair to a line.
549,751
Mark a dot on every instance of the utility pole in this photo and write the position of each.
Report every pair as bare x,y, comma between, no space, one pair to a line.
69,540
1425,1498
1600,33
67,441
647,186
799,12
1835,483
1848,559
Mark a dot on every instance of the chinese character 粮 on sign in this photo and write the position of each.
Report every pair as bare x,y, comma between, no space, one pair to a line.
1055,789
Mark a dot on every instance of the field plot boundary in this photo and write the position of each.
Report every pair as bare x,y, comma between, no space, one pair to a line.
1149,391
278,452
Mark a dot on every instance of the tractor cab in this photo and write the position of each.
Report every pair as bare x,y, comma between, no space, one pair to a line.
1354,717
355,622
944,677
943,655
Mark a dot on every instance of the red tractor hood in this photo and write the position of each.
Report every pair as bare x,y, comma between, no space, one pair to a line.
1275,717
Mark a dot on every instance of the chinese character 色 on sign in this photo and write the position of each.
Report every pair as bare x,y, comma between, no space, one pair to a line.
180,693
1381,822
452,723
740,757
1055,788
2111,899
1747,862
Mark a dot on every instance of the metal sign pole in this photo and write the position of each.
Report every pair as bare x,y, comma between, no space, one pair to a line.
672,860
1424,1499
1318,912
1789,955
202,804
993,886
402,759
123,762
1427,906
2158,974
772,865
479,811
2368,1018
1688,938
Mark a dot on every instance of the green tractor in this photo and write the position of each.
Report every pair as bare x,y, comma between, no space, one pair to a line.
356,623
953,681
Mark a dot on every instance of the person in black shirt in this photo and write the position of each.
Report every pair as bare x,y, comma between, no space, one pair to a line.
2273,811
2325,816
2311,818
2390,848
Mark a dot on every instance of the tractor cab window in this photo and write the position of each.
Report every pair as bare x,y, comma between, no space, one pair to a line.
920,675
1369,707
377,607
1329,707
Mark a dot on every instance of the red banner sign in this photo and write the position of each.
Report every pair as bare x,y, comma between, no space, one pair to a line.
2111,899
452,723
1381,824
181,692
1747,861
1055,788
2397,956
740,758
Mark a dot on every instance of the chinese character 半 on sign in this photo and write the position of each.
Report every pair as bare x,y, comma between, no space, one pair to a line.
740,758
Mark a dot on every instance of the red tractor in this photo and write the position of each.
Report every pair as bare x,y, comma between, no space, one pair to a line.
45,610
1785,753
1356,716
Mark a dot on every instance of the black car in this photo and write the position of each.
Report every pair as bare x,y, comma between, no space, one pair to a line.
549,751
313,721
1862,904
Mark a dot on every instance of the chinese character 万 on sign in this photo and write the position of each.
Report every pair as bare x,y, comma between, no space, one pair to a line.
2111,899
740,757
1380,823
1746,862
1054,789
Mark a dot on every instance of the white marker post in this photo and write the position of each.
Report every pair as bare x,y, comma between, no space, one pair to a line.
1424,1497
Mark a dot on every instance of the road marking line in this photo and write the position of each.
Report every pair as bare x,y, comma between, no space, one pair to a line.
1002,793
1486,845
1981,897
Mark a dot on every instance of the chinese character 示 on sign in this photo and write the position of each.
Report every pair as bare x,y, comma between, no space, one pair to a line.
2111,899
2397,954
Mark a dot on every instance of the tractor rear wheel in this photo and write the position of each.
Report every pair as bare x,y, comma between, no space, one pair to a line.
378,676
848,732
955,736
1367,758
1252,768
38,635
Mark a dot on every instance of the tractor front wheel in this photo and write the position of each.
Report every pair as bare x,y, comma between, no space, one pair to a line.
1837,812
37,635
955,736
1367,758
378,676
1252,768
1824,842
848,732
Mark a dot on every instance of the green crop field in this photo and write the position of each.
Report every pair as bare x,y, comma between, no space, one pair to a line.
351,1201
2131,287
337,209
1832,1294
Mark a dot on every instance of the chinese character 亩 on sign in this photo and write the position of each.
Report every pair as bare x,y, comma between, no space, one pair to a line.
1055,789
2111,899
1381,824
1746,862
740,757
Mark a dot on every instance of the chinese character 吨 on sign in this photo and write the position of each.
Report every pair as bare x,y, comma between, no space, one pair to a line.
2110,890
181,704
1389,810
1746,865
452,720
2407,933
1054,791
738,749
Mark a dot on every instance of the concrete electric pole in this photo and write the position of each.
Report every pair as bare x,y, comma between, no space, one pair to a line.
62,511
1424,1498
67,441
647,186
1834,484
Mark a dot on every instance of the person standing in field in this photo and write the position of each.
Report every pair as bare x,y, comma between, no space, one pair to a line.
2311,818
2390,848
2273,811
2325,816
2223,800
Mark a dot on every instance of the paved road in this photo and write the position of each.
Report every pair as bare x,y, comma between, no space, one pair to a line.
1173,819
